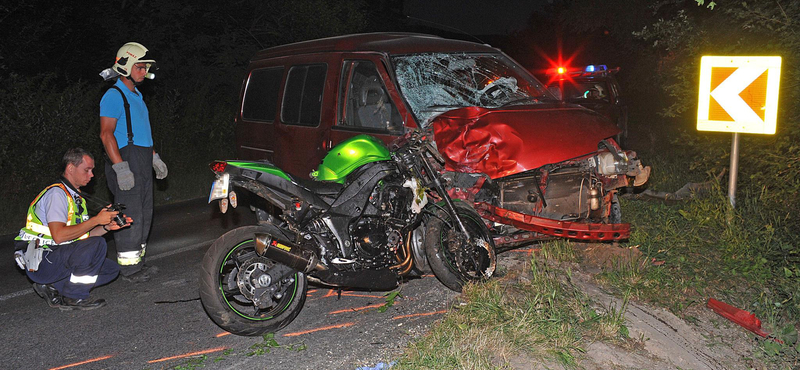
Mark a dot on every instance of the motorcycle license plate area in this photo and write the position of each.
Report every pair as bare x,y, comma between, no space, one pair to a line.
219,188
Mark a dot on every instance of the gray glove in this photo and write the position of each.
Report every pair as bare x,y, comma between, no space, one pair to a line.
124,175
159,166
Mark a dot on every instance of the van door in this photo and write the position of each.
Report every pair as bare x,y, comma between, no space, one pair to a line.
259,109
300,132
368,102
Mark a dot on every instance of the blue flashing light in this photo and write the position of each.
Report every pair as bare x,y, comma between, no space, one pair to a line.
590,68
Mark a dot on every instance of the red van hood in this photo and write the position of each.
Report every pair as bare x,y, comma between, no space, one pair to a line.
504,141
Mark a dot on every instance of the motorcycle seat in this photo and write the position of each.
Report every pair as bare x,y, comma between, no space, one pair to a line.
324,189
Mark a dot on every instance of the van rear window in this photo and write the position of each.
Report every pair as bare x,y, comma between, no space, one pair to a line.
261,96
302,99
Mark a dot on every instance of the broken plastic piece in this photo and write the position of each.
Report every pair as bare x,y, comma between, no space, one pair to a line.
741,317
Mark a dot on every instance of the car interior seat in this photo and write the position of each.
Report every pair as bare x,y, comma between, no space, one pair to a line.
372,104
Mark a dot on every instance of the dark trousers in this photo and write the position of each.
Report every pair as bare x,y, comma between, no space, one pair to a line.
68,266
138,201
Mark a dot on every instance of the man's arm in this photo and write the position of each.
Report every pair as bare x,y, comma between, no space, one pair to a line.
107,127
63,233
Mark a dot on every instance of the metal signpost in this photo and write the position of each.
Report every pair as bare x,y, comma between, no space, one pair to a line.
739,95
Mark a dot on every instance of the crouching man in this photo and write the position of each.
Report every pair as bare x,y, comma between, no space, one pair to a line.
61,248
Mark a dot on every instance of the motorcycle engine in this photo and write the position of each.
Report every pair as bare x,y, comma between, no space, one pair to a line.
375,242
377,234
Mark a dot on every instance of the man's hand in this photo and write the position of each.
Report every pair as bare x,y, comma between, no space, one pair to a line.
105,219
124,175
159,166
111,224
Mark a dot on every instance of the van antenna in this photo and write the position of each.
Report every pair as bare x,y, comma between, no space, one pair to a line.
447,27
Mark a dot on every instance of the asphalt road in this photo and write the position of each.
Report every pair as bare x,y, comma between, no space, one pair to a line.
161,324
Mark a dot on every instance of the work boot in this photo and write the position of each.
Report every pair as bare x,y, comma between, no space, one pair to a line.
82,304
140,276
49,293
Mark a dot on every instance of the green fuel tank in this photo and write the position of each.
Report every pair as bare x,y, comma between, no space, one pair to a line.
349,155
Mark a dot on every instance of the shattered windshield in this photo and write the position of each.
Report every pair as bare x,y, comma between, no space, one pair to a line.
438,82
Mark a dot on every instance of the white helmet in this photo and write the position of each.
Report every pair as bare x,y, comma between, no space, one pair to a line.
601,91
130,54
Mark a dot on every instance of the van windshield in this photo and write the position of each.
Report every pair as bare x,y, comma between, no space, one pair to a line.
434,83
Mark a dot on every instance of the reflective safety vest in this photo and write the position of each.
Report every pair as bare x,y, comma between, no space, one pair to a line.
36,230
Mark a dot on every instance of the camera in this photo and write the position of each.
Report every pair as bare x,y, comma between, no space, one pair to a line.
120,217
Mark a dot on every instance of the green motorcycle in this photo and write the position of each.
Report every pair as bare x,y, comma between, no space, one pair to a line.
370,217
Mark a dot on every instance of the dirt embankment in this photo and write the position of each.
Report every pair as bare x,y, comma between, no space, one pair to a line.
659,339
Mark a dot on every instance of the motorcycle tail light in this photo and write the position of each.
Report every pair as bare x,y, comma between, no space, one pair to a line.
218,166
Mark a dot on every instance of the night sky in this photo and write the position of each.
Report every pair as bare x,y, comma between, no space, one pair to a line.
475,17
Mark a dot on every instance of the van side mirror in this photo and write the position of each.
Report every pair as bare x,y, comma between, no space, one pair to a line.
555,90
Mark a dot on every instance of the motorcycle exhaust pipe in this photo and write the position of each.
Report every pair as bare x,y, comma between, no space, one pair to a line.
289,254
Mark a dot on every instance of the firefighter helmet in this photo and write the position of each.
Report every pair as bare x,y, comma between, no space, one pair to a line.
130,54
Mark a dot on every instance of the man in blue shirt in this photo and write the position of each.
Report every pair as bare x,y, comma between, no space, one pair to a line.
128,142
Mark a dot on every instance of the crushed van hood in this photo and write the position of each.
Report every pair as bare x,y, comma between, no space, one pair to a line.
504,141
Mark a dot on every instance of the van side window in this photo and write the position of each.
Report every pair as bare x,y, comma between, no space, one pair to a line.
302,99
261,95
363,100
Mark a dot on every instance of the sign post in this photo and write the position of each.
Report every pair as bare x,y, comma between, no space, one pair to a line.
738,95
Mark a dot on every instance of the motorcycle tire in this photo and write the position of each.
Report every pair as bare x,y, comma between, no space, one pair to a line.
227,303
452,263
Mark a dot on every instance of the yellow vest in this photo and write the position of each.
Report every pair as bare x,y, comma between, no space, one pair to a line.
34,228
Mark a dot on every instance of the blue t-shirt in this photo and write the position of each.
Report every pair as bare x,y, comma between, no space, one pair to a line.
112,106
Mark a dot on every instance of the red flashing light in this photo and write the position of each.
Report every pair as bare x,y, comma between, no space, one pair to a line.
218,166
561,70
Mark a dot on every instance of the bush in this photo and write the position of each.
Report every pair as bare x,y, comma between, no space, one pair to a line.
42,119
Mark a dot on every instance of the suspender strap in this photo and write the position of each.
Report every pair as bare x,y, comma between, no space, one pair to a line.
127,114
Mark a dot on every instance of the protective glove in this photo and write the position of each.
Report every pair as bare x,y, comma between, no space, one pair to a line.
124,175
159,166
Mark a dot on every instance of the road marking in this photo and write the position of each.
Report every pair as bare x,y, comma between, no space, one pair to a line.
83,362
357,308
211,350
337,326
15,294
152,258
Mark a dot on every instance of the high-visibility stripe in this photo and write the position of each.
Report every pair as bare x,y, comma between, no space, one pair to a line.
28,237
87,279
39,229
129,258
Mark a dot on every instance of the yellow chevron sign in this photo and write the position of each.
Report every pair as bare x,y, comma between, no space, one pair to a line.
738,94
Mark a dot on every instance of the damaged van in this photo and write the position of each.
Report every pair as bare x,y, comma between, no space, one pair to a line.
533,166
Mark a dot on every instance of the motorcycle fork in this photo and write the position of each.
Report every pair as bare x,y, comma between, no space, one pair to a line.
451,209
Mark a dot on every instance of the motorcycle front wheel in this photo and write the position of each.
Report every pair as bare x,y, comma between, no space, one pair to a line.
453,259
236,292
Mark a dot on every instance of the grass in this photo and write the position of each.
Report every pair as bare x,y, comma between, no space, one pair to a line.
747,256
710,250
535,313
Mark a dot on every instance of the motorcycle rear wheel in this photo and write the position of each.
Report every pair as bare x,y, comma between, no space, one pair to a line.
453,260
224,293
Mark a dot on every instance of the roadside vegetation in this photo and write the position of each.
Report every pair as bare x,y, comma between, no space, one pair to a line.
529,312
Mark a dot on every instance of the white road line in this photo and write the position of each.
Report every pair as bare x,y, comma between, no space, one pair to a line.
153,258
